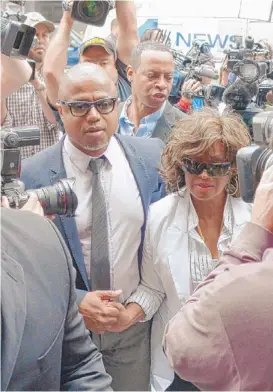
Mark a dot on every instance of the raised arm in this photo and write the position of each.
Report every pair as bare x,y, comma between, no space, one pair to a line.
14,74
56,57
128,33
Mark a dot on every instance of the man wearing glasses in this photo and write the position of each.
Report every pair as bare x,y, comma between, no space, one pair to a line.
116,181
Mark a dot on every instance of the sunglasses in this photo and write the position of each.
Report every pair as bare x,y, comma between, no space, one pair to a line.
81,108
212,169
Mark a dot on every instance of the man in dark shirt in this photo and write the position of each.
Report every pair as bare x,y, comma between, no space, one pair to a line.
102,51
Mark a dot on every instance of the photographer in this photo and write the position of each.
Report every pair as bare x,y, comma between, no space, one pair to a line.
230,315
28,106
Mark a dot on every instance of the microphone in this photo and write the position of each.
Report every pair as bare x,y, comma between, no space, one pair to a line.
239,94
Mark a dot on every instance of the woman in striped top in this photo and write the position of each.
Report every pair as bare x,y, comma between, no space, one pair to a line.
188,230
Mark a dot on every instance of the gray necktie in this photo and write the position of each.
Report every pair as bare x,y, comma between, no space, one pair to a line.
99,263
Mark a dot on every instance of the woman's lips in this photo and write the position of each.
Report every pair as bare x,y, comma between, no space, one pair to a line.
205,186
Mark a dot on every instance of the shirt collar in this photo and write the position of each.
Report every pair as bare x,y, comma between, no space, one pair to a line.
151,117
82,160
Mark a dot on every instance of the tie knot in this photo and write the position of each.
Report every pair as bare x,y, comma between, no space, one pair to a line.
96,164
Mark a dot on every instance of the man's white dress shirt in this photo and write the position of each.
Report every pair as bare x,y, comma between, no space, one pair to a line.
125,211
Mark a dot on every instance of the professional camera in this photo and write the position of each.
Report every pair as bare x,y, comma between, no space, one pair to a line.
253,160
250,63
249,51
17,38
56,199
190,66
89,12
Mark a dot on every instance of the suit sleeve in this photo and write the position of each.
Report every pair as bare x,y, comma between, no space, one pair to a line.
82,366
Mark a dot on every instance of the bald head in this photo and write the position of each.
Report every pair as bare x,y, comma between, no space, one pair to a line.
83,73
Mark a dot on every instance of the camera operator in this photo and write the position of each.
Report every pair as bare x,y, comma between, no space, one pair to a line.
190,101
230,316
97,50
28,106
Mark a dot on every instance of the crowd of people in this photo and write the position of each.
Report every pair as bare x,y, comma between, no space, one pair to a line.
162,280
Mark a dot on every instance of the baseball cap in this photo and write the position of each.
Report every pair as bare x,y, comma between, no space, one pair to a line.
96,41
34,18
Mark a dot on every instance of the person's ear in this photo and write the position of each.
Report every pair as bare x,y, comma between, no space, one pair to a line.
60,109
130,73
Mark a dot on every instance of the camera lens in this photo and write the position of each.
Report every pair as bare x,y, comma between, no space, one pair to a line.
93,10
58,199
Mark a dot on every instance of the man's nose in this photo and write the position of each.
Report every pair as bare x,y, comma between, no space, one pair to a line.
161,83
93,115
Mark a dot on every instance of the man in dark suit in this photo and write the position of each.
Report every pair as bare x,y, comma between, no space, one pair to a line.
116,181
147,113
44,343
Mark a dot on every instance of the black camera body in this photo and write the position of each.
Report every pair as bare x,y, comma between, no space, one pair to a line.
253,160
17,38
57,199
90,12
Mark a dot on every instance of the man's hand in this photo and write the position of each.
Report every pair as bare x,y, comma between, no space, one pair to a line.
190,89
123,321
32,205
98,312
128,317
262,212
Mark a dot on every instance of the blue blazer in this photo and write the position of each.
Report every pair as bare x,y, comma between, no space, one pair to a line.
47,167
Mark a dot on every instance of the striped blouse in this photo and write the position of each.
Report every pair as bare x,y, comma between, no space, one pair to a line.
201,261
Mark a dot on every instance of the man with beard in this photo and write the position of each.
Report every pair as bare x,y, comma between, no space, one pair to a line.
28,106
116,179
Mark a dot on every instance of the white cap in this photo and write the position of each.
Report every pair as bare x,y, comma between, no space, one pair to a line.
34,18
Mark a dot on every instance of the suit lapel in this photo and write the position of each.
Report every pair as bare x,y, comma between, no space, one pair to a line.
140,173
177,243
56,173
164,124
13,315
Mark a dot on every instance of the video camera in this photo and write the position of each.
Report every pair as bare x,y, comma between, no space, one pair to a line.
253,160
190,66
17,38
57,199
247,94
89,12
250,63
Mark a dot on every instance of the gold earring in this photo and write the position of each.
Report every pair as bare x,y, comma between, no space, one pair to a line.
232,188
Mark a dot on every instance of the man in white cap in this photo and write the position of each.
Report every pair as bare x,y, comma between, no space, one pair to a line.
28,106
